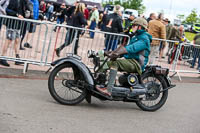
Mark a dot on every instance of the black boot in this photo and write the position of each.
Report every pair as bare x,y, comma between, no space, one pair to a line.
27,45
58,52
21,48
4,63
17,62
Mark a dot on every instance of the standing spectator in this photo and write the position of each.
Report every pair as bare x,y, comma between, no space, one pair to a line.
42,10
86,12
16,9
157,30
169,28
151,17
104,21
70,12
114,26
181,31
175,35
128,21
94,20
31,27
78,20
61,14
100,20
196,52
50,11
3,6
42,6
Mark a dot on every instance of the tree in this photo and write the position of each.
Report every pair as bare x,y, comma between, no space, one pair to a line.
180,16
192,18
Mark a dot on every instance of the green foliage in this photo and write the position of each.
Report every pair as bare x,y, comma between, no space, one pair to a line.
131,4
180,16
192,18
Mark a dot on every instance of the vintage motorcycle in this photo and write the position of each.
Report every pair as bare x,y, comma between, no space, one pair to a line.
71,81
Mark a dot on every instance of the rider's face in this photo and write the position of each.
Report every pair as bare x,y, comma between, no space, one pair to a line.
134,28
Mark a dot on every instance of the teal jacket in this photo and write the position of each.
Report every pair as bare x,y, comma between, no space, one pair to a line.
139,48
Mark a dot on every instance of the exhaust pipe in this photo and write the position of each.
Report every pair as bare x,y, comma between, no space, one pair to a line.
124,92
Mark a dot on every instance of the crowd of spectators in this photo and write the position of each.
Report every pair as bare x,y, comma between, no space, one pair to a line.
80,16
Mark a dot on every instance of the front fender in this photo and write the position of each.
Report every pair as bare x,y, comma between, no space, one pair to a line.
79,64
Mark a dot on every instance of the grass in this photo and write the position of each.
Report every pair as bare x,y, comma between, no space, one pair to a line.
189,35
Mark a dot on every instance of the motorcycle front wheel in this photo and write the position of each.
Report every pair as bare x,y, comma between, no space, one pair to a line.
155,100
63,86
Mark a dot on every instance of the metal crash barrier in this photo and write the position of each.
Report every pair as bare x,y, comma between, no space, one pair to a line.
25,38
178,57
44,42
68,39
41,40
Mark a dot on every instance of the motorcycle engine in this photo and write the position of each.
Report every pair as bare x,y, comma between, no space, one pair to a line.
101,79
128,80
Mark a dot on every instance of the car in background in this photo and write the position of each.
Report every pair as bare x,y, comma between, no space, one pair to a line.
196,28
129,12
187,27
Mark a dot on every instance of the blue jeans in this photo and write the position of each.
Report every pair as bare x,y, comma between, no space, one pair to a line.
49,15
111,44
60,20
92,27
196,53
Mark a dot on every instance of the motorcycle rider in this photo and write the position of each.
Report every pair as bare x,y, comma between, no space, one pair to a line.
136,55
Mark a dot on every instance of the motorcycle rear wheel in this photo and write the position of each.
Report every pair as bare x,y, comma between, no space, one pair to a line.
61,86
158,99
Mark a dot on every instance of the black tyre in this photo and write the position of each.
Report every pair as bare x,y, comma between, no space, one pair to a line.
154,101
62,86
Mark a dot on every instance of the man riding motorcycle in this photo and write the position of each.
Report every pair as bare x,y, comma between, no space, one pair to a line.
136,55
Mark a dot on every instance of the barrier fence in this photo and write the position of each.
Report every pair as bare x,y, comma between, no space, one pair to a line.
70,39
49,41
179,57
30,34
48,37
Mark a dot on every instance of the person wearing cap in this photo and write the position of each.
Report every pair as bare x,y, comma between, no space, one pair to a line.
169,28
136,55
94,19
157,30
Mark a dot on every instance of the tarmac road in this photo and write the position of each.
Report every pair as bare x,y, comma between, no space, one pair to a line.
27,107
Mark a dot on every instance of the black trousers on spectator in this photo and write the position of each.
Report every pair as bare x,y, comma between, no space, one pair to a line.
70,36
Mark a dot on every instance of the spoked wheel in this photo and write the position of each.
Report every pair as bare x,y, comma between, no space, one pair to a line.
155,98
63,84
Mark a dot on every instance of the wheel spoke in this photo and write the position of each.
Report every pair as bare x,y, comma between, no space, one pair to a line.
147,101
63,91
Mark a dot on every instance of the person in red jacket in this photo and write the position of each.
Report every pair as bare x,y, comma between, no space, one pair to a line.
86,12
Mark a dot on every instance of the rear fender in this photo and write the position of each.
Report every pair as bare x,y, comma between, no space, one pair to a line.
78,63
152,70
